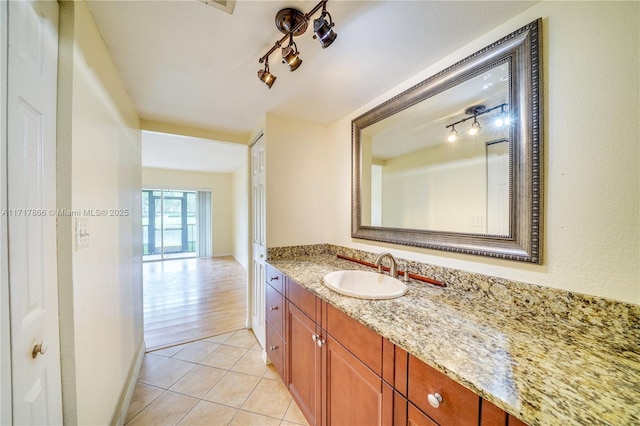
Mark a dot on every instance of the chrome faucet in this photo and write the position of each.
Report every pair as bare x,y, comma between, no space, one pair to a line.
393,267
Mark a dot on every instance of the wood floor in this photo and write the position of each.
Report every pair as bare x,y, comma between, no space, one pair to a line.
191,299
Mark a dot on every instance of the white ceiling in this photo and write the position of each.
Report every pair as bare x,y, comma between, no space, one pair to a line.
190,64
164,151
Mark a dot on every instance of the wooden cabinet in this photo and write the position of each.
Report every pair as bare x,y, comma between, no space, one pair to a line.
355,394
275,316
441,398
341,372
276,350
355,390
333,363
415,417
490,415
358,339
275,309
515,422
274,278
304,363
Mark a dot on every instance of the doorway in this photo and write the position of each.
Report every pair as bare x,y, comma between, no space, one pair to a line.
175,224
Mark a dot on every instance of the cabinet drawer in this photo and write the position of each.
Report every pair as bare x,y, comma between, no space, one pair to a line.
275,309
358,339
459,406
275,350
302,298
274,278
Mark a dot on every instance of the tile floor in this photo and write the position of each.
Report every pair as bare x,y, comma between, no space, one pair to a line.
216,381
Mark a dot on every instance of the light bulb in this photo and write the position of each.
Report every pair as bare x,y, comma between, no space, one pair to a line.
503,120
453,135
475,128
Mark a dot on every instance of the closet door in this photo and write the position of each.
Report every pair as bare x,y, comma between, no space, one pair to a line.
31,215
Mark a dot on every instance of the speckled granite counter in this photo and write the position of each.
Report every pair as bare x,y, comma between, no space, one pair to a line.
542,368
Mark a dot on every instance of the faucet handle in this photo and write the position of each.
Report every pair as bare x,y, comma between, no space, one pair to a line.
405,277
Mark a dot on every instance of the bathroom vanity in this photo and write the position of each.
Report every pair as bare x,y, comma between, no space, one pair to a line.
442,356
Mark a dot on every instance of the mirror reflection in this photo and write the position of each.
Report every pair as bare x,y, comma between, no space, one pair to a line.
443,164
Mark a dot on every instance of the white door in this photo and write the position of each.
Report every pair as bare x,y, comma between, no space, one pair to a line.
31,203
258,239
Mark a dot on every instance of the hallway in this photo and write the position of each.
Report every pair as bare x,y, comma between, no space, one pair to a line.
191,299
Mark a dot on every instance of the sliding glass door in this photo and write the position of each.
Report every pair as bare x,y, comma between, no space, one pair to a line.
170,224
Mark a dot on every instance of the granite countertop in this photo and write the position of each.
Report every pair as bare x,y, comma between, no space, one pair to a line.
541,369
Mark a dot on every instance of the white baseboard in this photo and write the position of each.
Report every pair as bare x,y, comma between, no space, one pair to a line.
127,393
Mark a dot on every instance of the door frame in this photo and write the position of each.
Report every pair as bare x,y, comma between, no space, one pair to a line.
250,277
6,414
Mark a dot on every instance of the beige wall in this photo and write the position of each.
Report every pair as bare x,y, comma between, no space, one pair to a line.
299,205
98,168
591,234
221,187
240,216
591,153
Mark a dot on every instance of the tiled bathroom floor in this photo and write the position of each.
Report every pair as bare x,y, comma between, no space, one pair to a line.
216,381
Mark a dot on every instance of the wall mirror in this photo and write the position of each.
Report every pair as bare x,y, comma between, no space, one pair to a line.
454,162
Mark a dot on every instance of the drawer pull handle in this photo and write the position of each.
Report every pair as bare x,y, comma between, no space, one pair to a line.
434,399
274,279
273,348
273,308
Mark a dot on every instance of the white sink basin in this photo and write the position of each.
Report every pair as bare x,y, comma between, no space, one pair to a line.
365,284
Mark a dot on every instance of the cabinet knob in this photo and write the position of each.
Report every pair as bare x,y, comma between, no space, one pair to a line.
434,399
273,308
320,342
39,349
273,348
314,337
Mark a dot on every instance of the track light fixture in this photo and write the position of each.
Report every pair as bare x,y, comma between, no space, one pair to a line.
292,23
265,75
474,112
323,30
290,55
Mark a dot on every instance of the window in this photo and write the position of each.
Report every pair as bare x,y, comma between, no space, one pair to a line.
170,224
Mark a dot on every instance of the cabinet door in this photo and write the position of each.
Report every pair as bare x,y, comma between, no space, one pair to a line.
416,417
355,395
490,415
303,379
